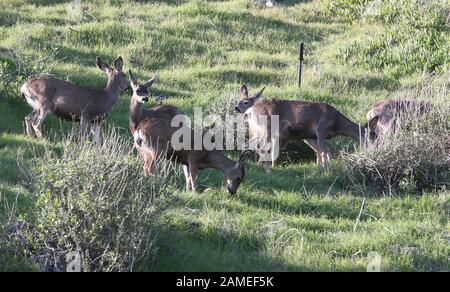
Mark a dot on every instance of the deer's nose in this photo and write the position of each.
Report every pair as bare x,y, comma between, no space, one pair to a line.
237,109
230,191
145,99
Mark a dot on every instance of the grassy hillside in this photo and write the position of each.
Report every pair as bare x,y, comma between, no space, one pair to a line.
300,218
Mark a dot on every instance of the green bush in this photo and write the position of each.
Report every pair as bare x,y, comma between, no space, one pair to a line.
93,201
18,66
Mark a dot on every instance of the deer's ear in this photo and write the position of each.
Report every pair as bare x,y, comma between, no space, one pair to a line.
244,91
133,80
244,158
118,63
372,124
259,93
102,65
150,82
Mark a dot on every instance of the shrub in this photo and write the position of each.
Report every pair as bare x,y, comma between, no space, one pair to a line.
91,201
11,259
414,157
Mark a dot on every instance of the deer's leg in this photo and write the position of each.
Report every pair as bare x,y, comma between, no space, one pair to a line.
83,127
265,154
29,120
146,158
38,121
267,167
313,144
95,130
146,166
328,155
323,149
187,177
275,150
193,171
265,161
149,163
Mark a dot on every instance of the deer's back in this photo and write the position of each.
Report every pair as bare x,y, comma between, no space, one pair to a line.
390,109
298,118
164,111
65,99
158,134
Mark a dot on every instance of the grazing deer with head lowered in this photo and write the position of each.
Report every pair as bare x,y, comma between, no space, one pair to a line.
312,122
154,136
71,102
388,114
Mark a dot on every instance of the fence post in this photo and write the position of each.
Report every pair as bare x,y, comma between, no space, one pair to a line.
301,51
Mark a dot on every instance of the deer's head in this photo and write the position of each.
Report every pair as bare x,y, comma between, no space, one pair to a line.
115,74
372,129
235,175
140,91
247,101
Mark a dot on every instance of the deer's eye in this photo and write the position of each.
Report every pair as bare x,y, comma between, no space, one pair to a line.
245,102
141,92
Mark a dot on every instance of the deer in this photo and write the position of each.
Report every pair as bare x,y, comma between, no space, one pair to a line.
154,136
386,115
140,96
46,94
137,111
312,122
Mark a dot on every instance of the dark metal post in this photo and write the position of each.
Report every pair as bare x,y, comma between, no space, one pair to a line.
301,51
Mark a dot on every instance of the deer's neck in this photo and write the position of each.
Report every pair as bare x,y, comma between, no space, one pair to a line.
136,114
220,162
351,129
113,89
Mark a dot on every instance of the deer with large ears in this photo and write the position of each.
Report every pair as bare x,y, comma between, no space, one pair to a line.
68,101
154,136
137,113
314,123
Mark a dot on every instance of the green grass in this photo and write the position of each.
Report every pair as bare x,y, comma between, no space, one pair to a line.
300,218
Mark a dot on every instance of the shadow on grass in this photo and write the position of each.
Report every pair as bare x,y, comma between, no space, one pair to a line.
70,55
251,77
368,82
308,190
169,93
328,209
168,2
281,31
189,246
48,2
9,18
292,2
